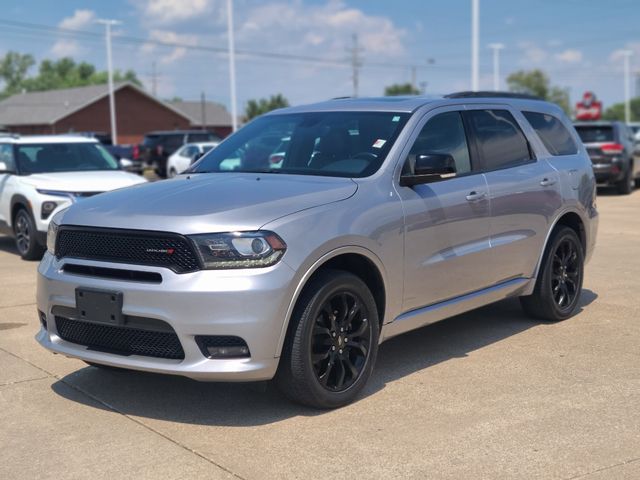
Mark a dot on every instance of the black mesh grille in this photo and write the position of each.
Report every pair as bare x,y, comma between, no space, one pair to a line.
120,340
128,246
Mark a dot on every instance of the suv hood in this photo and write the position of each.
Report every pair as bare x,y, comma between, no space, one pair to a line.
203,203
96,181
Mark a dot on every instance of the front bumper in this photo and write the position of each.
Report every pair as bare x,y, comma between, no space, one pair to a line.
250,304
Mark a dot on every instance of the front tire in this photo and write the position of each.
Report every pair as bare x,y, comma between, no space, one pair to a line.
26,236
559,284
626,185
332,342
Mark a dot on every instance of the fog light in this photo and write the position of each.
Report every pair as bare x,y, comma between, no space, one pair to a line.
227,352
222,346
43,318
47,208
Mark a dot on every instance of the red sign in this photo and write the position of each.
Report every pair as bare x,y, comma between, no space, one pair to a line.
589,108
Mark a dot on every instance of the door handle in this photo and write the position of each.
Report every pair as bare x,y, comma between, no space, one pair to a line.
546,182
476,196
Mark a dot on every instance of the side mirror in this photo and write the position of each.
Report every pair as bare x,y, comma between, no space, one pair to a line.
125,163
4,168
430,167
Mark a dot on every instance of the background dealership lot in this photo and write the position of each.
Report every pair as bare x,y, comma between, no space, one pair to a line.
489,394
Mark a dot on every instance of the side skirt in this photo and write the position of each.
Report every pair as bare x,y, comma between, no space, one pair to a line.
439,311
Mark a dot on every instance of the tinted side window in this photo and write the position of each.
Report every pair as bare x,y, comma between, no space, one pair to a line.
500,140
443,133
553,133
173,141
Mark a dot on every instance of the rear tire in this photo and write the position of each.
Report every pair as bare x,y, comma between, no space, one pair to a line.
332,342
26,236
625,186
559,284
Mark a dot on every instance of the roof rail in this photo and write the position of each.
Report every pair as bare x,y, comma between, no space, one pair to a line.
493,94
341,98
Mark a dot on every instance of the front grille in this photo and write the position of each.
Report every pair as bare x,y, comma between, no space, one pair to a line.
121,340
136,247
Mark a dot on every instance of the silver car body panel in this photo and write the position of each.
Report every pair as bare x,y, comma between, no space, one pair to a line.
438,254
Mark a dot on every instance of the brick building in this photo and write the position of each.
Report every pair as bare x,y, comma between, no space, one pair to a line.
86,109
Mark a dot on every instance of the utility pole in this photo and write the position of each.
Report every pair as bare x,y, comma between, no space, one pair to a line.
154,79
475,42
496,47
627,85
356,63
203,111
232,65
112,104
414,83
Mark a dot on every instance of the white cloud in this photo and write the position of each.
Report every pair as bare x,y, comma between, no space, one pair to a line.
80,19
569,56
328,26
168,12
165,36
532,53
65,47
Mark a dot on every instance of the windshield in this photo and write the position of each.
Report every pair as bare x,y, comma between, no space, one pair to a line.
63,157
342,144
595,134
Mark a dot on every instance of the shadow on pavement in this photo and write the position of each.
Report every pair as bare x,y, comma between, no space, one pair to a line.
177,399
8,244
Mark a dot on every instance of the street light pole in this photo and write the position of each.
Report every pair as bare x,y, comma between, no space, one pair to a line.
475,42
232,65
627,85
496,47
112,104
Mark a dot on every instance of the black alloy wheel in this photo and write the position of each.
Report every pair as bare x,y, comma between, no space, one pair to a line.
565,279
25,234
332,341
559,282
341,341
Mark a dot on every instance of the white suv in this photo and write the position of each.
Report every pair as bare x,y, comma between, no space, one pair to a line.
41,175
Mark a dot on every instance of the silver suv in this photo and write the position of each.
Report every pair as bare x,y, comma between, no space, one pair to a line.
380,216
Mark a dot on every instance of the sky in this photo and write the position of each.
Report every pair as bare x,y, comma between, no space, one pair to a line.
302,48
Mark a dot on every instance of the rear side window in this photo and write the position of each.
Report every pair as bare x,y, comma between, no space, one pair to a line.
553,133
202,137
595,133
500,141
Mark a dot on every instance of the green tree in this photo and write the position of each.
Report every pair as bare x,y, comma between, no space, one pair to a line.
53,74
13,70
261,106
616,111
536,82
400,89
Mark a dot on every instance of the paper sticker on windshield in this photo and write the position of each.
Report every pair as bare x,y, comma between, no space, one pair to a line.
396,118
379,143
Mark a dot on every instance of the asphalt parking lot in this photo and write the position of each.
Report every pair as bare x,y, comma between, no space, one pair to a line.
489,394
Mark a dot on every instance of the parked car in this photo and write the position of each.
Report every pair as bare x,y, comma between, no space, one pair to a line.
635,129
128,155
612,149
43,175
186,155
157,147
382,217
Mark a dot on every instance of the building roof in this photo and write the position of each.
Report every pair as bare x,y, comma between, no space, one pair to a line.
46,108
215,114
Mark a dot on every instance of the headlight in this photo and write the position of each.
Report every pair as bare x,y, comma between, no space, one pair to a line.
52,233
239,249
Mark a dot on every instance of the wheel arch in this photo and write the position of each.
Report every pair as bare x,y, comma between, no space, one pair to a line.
17,202
354,259
568,218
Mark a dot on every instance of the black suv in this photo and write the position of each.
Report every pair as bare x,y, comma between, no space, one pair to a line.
157,146
613,152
